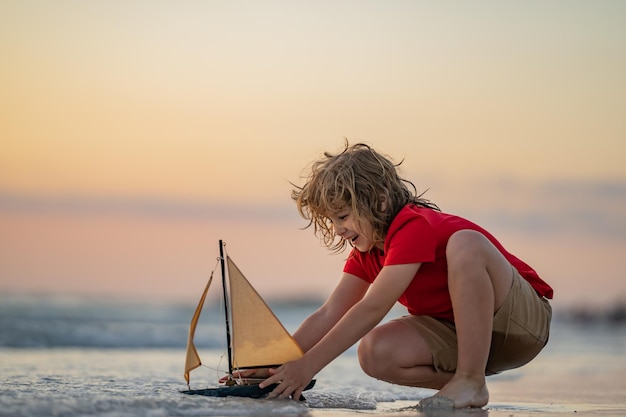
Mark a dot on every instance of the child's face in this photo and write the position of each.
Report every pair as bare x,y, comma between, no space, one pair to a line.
357,233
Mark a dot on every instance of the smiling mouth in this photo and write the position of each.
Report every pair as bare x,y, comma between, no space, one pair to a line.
351,240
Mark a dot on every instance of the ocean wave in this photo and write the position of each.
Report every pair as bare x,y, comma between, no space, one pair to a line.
50,322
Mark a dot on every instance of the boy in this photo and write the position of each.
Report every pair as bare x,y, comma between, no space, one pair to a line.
475,309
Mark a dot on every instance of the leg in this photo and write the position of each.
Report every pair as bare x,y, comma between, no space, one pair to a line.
407,363
479,279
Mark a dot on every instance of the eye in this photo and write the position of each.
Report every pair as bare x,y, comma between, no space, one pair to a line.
343,216
339,217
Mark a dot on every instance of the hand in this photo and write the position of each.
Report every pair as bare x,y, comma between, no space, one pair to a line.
248,373
292,378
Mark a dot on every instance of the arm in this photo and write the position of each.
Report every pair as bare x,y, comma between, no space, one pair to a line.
391,282
348,292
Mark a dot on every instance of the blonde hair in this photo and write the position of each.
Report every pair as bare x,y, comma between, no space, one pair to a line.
356,178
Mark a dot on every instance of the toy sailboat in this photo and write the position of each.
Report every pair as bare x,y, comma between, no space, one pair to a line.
255,338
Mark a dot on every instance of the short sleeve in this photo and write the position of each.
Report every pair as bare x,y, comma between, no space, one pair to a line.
363,265
411,239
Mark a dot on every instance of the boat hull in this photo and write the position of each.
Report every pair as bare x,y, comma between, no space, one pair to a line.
248,391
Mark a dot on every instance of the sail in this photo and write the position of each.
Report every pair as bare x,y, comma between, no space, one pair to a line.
192,360
258,337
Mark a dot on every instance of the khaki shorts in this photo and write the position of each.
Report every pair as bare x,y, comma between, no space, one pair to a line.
520,330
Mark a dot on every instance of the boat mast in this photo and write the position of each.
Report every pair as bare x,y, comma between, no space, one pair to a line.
226,301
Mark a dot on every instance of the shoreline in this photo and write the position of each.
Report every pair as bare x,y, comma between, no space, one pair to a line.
500,409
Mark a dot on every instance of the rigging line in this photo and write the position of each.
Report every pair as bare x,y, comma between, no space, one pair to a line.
217,262
211,368
218,369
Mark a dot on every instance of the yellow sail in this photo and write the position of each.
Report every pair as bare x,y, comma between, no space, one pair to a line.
258,337
192,360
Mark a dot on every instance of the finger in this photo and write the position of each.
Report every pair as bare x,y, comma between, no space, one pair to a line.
274,371
229,377
246,373
282,391
292,391
273,378
297,394
269,381
276,392
286,393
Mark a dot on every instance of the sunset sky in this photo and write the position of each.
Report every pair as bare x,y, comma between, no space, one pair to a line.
135,134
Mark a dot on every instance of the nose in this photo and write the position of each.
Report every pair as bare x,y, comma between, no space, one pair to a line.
339,231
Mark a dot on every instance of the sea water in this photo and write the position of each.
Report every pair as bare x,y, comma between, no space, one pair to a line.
85,357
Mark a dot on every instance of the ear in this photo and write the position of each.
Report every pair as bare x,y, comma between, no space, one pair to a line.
383,202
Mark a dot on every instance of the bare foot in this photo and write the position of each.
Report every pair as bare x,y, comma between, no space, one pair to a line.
465,392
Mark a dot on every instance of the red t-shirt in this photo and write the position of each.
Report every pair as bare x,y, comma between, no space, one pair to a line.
420,235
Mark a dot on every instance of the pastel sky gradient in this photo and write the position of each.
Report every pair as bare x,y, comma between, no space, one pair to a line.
135,134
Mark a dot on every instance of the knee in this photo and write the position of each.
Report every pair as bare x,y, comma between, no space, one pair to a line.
466,248
374,352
